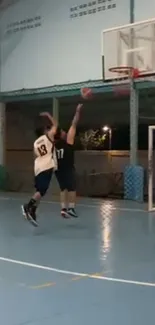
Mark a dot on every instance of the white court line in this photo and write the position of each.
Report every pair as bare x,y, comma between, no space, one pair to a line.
99,204
90,276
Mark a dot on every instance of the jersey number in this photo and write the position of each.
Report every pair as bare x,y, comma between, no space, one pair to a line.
60,153
42,150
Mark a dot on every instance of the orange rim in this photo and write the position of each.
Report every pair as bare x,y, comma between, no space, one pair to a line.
122,70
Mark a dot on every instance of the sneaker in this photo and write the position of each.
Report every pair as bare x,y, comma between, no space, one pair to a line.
33,209
30,214
72,212
64,213
24,208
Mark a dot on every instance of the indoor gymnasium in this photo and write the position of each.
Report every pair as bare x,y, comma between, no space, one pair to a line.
97,267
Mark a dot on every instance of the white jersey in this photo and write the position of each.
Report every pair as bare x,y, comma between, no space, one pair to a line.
45,155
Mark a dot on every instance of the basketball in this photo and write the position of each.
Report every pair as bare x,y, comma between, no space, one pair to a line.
86,93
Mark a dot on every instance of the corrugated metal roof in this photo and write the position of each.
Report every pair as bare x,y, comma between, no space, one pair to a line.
58,91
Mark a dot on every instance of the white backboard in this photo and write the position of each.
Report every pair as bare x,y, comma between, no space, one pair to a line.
129,45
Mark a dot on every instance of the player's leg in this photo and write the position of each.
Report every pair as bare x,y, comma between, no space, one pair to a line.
71,187
64,204
72,203
29,209
60,175
42,182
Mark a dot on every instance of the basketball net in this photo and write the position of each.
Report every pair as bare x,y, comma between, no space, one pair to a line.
123,80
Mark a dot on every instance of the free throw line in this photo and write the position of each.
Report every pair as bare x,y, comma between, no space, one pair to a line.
87,275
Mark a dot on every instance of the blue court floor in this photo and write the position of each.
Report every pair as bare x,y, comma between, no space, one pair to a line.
98,269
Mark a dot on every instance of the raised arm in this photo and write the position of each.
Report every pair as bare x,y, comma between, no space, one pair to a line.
52,131
72,130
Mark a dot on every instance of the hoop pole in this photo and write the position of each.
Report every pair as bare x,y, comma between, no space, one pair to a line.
150,168
132,11
56,109
134,175
134,105
134,99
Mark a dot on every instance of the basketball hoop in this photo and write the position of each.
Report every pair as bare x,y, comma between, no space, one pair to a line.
124,75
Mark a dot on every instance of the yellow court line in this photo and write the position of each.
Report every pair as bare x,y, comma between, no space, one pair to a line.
44,285
76,278
96,275
51,284
85,277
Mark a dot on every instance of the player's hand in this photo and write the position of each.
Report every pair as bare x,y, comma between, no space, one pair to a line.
78,109
45,114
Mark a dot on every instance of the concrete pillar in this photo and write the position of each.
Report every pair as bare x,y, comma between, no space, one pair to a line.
56,109
2,134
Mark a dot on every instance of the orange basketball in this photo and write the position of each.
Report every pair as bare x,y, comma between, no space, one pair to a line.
86,93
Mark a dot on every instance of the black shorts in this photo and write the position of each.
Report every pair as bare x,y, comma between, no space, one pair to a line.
42,181
66,179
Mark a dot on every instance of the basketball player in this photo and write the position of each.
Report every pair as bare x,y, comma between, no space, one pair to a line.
44,164
65,174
